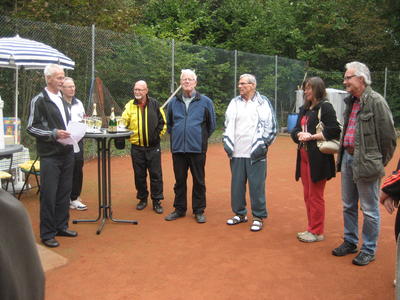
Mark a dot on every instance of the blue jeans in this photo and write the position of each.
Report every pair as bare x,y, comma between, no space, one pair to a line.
368,193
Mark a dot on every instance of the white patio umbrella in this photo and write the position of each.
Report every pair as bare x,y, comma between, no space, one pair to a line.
17,52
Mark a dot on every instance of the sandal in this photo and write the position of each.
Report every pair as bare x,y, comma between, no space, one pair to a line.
236,220
257,225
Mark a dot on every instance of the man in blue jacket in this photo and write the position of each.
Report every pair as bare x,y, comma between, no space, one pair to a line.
190,122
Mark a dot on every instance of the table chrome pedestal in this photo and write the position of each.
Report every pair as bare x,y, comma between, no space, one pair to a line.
103,140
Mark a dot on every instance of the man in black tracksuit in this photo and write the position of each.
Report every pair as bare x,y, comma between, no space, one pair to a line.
48,119
144,117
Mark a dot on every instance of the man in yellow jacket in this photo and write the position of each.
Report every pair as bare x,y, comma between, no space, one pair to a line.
144,117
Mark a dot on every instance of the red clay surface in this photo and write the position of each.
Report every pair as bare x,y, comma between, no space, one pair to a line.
185,260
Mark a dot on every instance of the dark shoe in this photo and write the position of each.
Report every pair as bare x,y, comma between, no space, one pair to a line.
157,207
344,249
174,215
141,205
363,259
51,243
200,218
67,232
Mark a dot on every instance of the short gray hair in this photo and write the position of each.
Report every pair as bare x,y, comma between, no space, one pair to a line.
360,70
68,79
51,69
189,72
140,82
250,78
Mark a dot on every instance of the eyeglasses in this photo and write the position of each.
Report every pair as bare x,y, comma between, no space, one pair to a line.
349,77
139,90
187,79
244,83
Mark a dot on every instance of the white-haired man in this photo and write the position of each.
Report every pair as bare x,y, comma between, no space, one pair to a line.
190,122
48,119
77,114
250,128
367,145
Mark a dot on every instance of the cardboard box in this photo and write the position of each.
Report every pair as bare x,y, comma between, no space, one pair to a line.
9,140
9,128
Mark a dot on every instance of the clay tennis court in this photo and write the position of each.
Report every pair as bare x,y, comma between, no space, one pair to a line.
185,260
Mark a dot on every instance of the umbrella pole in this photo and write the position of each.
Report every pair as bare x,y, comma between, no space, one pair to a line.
170,97
2,146
16,108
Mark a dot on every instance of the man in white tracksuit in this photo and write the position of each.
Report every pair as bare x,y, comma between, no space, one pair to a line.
250,128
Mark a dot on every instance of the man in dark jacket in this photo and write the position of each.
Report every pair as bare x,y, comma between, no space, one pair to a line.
21,275
48,119
191,121
367,145
144,117
390,197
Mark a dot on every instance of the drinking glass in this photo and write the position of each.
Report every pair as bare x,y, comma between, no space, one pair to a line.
97,124
120,123
90,123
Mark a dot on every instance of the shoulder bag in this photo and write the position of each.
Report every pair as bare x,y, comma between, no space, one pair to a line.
327,147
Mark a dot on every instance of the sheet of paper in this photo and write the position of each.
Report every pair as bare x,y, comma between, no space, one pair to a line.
77,131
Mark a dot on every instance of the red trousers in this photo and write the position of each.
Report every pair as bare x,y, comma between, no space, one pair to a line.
313,196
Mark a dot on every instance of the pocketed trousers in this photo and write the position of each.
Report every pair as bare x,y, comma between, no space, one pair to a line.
196,163
313,196
55,192
77,175
244,171
365,194
397,225
147,159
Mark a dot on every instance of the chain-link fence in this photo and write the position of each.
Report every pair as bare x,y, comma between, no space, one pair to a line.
121,59
386,82
72,41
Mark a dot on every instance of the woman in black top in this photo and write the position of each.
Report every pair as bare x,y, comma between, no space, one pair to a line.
312,166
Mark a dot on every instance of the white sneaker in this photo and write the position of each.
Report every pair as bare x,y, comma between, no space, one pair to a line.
302,233
309,237
77,204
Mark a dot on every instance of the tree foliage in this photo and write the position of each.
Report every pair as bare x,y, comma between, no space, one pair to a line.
323,34
114,15
326,34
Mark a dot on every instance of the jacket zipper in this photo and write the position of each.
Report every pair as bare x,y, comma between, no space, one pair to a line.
186,115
